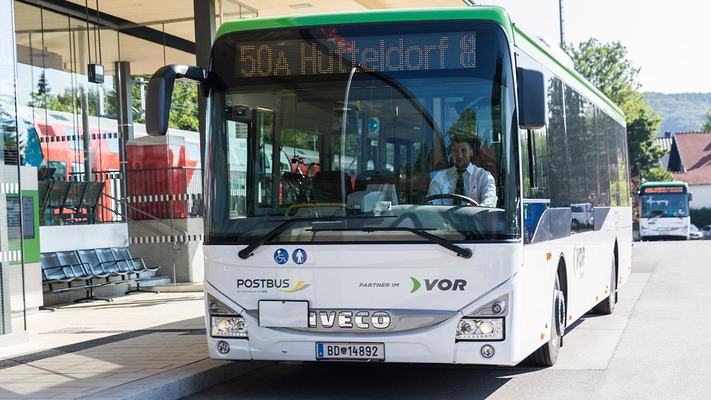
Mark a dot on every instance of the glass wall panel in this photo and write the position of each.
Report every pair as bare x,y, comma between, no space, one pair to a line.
53,91
15,140
228,10
74,117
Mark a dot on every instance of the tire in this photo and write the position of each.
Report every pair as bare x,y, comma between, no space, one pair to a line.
607,306
547,355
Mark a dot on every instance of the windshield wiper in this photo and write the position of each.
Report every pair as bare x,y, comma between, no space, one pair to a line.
247,251
461,251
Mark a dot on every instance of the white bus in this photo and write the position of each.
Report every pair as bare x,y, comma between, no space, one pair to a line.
355,263
664,210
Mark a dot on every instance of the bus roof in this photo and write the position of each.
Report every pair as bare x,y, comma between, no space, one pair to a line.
491,13
495,14
663,184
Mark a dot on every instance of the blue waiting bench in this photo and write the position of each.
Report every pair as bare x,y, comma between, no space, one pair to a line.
90,268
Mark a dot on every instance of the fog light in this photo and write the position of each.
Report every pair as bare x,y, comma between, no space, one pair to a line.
498,307
223,347
487,351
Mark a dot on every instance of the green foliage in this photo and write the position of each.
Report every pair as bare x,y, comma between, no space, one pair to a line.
606,67
644,153
298,139
44,98
700,216
465,128
184,110
139,84
39,97
659,174
184,106
681,112
70,100
707,125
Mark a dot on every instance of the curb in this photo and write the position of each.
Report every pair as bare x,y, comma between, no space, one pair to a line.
180,382
178,288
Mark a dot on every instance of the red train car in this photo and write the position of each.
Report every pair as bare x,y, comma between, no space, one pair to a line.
159,173
153,169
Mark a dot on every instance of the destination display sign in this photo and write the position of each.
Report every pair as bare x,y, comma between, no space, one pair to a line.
663,189
337,53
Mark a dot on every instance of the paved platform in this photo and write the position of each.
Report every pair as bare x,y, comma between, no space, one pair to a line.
139,346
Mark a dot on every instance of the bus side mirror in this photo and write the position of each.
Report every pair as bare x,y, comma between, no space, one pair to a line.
160,90
691,197
531,99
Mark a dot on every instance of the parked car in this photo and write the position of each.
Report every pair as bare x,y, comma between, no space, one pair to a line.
581,215
707,232
695,233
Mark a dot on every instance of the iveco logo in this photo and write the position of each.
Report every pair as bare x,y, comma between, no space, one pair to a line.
349,319
441,284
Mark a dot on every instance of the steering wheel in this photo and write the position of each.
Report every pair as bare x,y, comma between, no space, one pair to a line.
454,197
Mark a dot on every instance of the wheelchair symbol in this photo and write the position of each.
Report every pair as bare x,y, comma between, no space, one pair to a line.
281,256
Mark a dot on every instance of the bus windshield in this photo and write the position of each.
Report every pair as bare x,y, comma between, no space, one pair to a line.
347,132
664,205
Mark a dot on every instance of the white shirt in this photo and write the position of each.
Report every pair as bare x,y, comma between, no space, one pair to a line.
479,185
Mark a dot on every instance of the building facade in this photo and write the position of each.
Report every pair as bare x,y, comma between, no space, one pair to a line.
690,162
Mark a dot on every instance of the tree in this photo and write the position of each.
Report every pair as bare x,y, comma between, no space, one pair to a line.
706,127
39,97
645,153
606,67
183,110
69,101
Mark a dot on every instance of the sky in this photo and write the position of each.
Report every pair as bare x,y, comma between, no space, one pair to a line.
667,41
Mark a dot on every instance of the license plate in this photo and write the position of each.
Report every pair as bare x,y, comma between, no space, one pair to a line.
350,351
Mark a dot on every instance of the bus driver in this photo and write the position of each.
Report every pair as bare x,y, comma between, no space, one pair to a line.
463,178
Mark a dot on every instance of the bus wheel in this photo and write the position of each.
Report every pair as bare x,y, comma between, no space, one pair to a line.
607,306
547,354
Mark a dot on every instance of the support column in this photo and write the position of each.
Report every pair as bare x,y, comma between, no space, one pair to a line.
86,135
125,122
204,11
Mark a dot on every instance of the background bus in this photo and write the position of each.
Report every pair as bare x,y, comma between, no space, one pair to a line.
357,263
664,210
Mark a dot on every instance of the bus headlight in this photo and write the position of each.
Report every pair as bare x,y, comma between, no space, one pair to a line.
480,329
228,326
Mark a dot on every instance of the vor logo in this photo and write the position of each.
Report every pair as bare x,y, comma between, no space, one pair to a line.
440,284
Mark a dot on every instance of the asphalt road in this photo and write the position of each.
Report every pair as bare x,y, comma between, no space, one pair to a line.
656,345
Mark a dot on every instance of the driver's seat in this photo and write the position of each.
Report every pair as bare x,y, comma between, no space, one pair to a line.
332,186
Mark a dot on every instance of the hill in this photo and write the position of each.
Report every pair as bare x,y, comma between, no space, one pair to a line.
680,112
